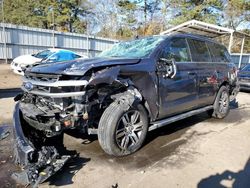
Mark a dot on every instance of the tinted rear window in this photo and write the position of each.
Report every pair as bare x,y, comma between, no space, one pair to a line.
199,51
218,52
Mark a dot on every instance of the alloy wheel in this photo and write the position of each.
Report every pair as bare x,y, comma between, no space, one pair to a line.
129,129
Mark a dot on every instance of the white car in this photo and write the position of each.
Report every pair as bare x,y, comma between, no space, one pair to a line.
49,55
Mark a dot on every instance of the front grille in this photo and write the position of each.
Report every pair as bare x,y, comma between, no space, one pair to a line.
42,77
51,85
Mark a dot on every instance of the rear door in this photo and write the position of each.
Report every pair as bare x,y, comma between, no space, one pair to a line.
205,71
221,59
177,94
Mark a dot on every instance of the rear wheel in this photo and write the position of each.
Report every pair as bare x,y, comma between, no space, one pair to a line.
122,131
221,104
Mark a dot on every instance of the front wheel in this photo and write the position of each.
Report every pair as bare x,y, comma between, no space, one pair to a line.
122,130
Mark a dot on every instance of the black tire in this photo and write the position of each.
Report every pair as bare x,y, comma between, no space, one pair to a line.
112,127
210,113
221,103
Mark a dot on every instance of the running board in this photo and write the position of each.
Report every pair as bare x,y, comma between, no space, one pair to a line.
161,123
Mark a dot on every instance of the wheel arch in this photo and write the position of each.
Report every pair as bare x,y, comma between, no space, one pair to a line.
118,84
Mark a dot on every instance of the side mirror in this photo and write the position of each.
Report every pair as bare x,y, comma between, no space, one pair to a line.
167,68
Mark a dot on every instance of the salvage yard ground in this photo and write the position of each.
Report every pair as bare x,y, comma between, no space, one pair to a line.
195,152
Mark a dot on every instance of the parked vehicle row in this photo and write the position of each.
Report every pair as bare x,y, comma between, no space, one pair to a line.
46,56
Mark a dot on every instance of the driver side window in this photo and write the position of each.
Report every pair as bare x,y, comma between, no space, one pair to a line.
176,49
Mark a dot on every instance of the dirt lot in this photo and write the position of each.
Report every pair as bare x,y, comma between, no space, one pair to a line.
195,152
8,80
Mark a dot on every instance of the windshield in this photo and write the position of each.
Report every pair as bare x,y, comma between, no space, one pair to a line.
43,54
138,48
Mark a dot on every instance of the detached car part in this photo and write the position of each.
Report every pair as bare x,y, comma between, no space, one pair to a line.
38,162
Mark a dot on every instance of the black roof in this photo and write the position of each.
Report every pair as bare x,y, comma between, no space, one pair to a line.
198,37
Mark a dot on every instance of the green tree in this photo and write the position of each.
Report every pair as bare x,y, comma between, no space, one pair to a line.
66,14
128,23
196,9
106,18
236,12
148,8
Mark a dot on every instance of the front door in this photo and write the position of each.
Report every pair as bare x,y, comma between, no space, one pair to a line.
177,94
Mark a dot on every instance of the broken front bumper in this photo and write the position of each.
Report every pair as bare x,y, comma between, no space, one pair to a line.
37,164
22,148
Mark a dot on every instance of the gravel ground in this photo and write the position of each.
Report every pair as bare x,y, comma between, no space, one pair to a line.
8,80
196,152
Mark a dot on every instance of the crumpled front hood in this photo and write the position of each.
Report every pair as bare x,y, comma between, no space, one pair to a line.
80,66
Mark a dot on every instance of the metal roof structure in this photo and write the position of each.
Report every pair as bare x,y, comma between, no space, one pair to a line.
209,30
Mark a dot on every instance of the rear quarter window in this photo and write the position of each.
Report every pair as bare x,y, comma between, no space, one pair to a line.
218,52
199,51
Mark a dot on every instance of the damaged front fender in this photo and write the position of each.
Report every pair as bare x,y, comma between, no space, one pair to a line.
108,76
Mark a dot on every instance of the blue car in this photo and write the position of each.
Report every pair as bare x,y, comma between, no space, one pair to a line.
244,78
58,55
46,56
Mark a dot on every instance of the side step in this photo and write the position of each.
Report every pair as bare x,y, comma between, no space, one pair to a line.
161,123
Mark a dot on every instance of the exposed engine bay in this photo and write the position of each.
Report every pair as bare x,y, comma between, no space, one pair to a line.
54,109
50,117
44,113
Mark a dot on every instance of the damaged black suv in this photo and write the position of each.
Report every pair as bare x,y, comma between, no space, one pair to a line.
128,90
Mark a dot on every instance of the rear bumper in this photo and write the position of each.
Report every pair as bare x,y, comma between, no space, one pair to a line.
22,148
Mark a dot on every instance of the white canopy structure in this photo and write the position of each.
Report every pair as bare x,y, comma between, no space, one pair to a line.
211,31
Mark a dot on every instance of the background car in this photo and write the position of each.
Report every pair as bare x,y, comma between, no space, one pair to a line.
244,78
45,56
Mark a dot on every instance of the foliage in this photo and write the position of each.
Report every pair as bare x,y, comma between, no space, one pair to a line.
124,19
66,14
236,12
195,9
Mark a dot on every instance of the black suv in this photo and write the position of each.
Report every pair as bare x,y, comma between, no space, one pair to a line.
128,90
